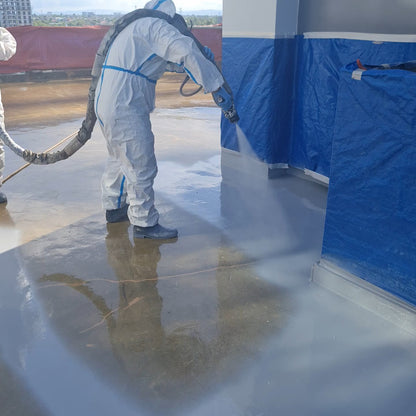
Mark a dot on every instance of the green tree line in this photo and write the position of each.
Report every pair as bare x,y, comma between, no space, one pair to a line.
107,19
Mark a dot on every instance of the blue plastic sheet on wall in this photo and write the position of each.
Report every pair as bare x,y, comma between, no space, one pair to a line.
370,228
260,73
286,93
316,87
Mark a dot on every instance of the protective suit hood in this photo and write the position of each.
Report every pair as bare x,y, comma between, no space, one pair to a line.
165,6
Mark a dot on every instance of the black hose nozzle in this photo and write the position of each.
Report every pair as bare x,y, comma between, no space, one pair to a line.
231,114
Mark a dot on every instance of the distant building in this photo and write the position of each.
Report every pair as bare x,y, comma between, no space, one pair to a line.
15,13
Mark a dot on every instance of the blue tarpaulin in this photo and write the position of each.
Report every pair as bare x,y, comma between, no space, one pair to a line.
286,93
260,73
370,228
318,65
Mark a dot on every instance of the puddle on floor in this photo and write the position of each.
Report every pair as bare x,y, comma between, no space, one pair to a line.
159,323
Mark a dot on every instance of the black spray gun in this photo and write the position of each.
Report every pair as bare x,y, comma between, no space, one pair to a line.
223,97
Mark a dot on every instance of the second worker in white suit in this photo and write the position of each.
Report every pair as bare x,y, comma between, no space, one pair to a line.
125,97
7,50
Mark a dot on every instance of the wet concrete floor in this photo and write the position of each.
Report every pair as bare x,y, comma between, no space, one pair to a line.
221,321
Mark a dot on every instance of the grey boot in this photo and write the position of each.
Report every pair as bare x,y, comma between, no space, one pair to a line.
117,215
3,198
156,232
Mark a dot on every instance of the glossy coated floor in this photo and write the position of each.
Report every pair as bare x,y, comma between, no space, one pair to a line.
222,321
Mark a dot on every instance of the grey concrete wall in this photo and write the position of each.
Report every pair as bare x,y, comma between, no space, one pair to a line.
287,17
367,16
244,18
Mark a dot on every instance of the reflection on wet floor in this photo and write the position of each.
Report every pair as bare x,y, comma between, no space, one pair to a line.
8,226
161,322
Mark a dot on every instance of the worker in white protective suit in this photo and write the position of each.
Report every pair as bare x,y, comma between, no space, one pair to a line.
125,97
7,50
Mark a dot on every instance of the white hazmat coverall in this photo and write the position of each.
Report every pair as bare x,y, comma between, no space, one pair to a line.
7,50
125,97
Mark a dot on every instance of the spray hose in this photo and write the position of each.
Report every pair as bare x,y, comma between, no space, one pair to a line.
84,133
188,94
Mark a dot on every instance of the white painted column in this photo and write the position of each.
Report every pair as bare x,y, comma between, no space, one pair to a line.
259,53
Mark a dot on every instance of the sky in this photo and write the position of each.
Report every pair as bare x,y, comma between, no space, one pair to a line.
44,6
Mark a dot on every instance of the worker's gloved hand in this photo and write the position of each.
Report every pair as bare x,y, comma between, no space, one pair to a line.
225,100
209,54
